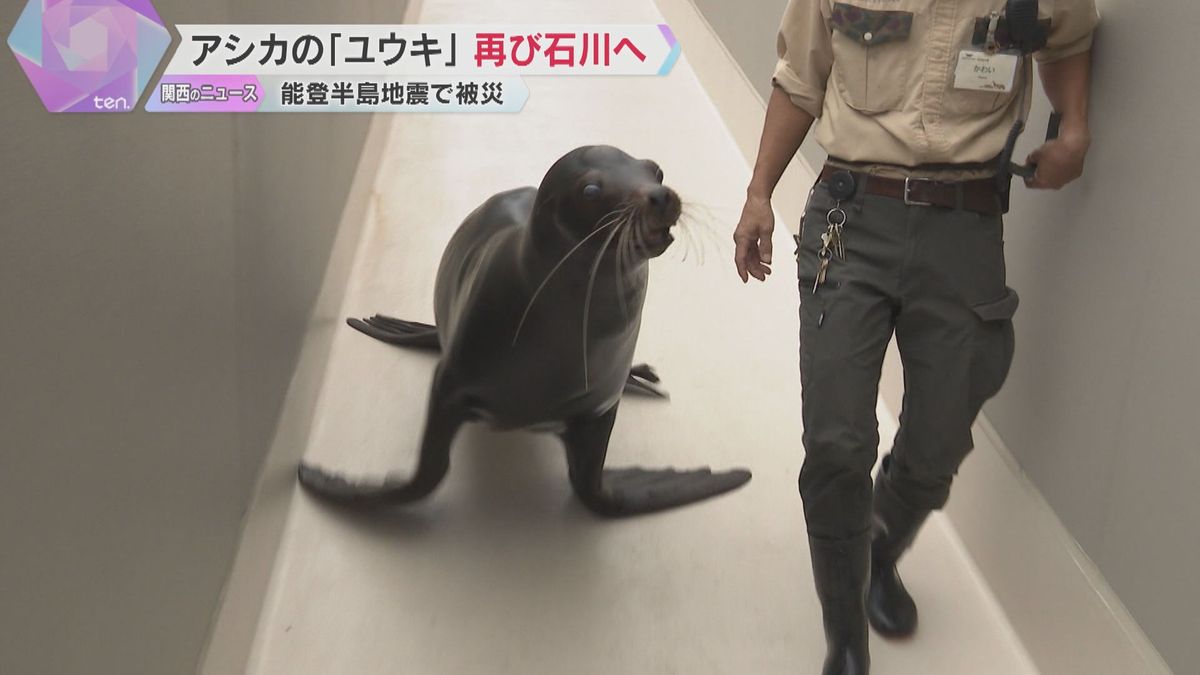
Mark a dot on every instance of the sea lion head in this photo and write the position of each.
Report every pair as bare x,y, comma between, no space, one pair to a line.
599,187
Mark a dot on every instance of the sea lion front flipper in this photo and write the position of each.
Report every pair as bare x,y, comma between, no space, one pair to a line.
644,381
619,493
442,423
398,332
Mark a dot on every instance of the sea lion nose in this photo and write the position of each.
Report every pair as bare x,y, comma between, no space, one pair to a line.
661,198
657,198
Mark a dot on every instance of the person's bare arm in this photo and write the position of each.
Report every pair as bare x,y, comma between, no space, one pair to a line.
783,132
1067,84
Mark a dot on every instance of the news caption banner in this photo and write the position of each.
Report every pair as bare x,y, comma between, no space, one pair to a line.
400,68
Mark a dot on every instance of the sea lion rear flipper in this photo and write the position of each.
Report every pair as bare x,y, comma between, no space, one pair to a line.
635,490
618,493
398,331
645,382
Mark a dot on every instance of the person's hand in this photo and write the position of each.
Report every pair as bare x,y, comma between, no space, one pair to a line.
753,239
1059,162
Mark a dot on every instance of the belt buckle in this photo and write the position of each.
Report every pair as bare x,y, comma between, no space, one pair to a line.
908,200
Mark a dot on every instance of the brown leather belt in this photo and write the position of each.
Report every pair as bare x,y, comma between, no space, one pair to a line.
977,195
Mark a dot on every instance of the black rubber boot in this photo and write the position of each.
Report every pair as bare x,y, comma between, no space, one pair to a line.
890,608
840,569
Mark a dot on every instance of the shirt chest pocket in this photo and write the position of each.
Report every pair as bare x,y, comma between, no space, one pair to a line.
971,35
873,56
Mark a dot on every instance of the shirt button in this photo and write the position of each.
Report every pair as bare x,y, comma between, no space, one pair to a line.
869,36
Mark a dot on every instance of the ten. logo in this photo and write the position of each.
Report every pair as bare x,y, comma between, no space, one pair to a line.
89,55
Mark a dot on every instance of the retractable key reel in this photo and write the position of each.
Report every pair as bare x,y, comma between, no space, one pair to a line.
1023,35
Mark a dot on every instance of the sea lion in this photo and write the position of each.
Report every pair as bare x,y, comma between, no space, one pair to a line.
537,304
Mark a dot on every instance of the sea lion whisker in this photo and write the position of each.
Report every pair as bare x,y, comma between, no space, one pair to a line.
689,241
622,224
633,245
630,253
697,209
716,241
698,238
639,233
587,301
622,240
633,226
697,212
706,233
627,257
553,270
617,277
694,240
614,216
611,219
684,246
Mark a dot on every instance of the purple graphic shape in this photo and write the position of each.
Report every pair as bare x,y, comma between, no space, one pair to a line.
89,55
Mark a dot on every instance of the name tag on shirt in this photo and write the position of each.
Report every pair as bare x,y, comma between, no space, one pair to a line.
984,71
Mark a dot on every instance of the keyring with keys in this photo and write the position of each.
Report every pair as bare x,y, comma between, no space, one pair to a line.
836,220
841,186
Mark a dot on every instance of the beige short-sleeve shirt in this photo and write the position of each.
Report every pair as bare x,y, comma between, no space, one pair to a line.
879,77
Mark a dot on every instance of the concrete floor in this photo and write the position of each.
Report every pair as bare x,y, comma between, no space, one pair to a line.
502,571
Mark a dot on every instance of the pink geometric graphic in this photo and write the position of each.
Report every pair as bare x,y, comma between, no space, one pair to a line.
89,55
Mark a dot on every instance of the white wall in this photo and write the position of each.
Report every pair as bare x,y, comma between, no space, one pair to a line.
155,274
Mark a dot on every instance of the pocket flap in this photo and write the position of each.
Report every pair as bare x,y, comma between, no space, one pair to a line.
871,26
999,310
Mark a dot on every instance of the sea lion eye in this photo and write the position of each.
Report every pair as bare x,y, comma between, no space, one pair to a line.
591,191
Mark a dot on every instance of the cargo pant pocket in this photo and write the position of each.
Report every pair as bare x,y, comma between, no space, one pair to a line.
994,346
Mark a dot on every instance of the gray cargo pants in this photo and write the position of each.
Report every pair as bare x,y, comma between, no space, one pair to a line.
936,278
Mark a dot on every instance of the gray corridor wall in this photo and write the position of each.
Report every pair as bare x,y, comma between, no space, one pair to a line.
1100,407
156,275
